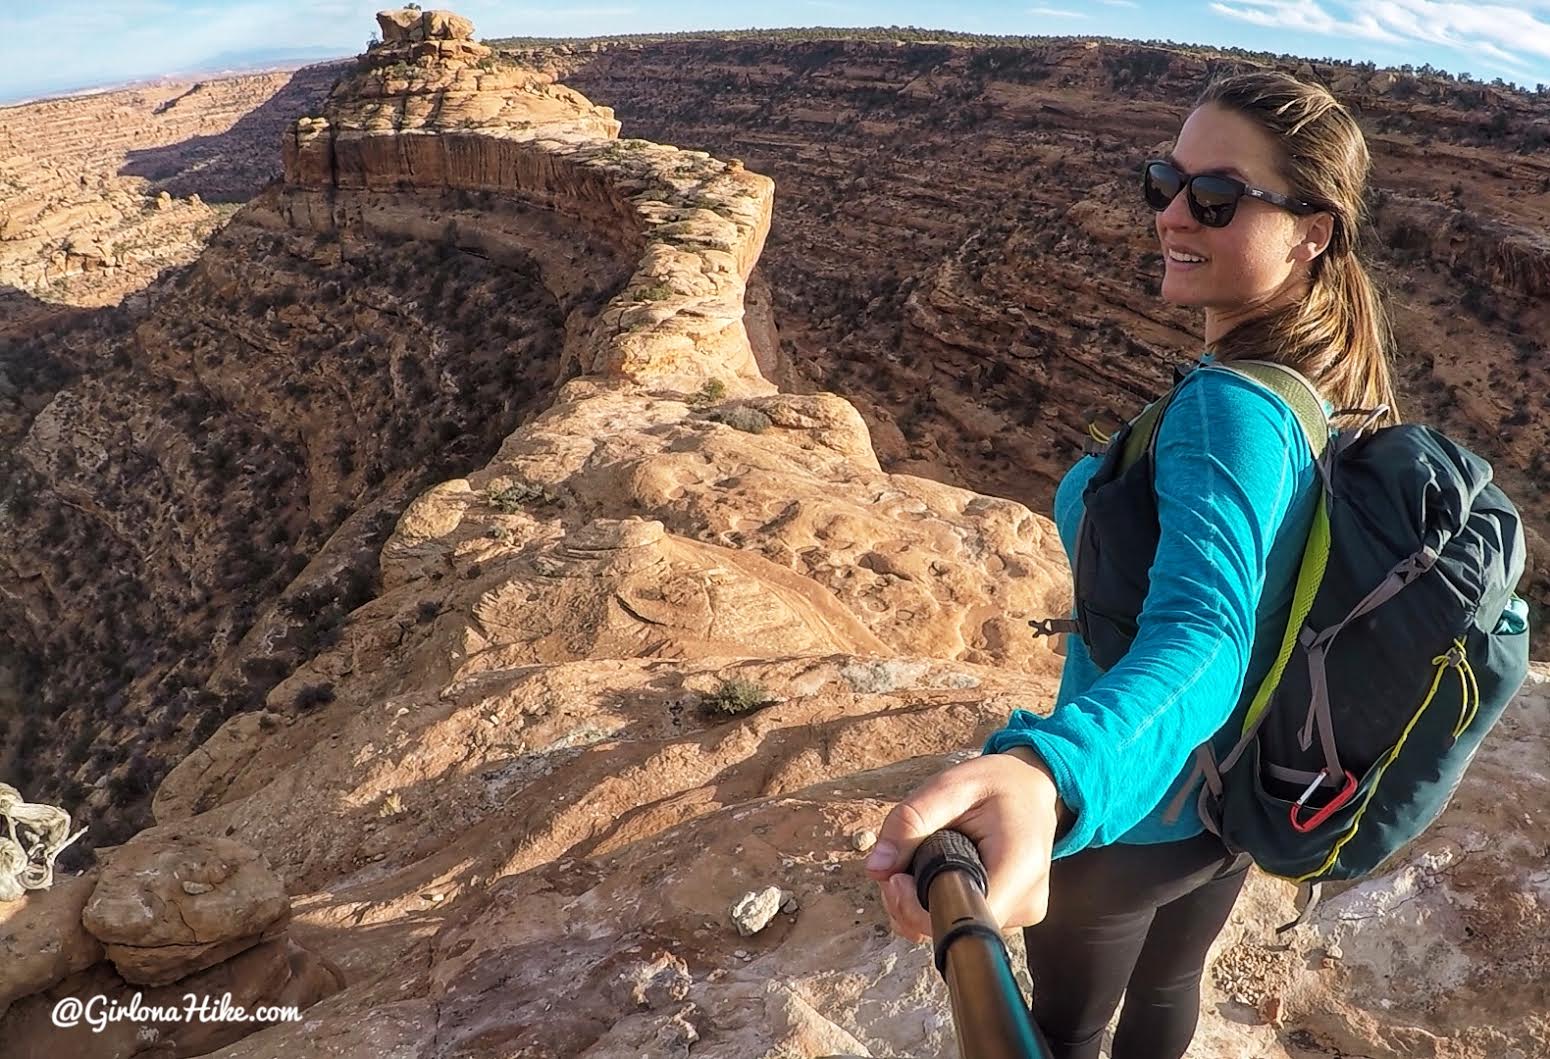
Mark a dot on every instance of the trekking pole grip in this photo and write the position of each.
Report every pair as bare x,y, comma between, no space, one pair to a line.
946,850
990,1017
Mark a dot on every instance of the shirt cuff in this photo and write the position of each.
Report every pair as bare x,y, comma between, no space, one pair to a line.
1022,730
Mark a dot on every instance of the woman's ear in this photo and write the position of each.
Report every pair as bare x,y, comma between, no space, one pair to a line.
1318,231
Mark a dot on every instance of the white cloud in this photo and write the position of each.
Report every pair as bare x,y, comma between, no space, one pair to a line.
72,43
1056,12
1507,37
1306,18
1120,3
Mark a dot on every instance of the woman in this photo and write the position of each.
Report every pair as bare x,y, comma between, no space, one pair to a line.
1257,213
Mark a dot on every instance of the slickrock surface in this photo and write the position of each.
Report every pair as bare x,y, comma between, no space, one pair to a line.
99,193
649,634
42,940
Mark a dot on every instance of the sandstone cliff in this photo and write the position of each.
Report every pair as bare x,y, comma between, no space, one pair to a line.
99,193
546,691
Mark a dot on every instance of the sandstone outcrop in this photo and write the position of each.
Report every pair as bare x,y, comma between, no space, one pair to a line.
42,940
99,193
276,973
675,636
167,907
182,915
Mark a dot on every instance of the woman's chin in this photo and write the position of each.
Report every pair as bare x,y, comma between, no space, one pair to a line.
1178,290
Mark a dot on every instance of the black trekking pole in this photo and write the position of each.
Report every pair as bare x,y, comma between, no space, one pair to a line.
989,1015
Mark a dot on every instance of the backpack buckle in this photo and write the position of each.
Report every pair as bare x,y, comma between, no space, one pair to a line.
1345,795
1053,626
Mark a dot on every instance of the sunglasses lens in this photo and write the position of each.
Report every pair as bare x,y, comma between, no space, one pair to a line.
1213,200
1161,183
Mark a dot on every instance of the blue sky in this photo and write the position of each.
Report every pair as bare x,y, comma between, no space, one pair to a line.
61,45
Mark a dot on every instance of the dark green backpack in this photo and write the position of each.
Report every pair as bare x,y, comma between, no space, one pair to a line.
1404,645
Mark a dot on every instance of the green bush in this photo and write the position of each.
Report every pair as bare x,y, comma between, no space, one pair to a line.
736,696
654,293
712,391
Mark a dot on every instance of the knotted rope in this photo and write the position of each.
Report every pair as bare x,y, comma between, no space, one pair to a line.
27,855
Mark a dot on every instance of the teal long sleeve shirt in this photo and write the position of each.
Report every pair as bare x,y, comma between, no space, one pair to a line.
1236,490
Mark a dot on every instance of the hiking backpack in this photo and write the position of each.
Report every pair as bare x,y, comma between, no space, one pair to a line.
1404,645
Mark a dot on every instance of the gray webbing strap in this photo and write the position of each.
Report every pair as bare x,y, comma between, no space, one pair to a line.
1317,646
1205,808
1318,705
1205,768
1280,772
1313,891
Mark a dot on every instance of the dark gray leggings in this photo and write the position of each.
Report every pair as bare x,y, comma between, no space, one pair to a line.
1136,917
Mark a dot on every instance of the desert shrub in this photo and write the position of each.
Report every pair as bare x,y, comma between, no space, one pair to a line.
513,498
737,696
136,781
712,391
314,695
750,420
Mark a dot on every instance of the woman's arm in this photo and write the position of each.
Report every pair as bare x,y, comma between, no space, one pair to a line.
1224,485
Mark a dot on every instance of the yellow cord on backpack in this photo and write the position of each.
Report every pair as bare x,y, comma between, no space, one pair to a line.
1469,690
1471,693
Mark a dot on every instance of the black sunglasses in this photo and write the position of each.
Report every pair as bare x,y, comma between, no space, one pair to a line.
1212,199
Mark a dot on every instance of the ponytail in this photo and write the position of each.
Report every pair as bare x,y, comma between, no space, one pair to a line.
1338,336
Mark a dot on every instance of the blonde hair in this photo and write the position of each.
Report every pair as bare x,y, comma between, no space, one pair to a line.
1339,335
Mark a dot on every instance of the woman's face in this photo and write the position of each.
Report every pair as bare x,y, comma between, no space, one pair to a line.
1261,257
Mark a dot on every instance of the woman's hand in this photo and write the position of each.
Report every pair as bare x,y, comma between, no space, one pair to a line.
1006,803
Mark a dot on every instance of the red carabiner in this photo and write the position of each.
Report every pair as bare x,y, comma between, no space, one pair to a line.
1325,813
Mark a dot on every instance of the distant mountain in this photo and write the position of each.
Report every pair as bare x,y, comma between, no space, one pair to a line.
256,57
225,62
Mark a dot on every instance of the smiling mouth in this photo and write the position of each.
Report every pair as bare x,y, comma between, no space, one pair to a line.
1182,258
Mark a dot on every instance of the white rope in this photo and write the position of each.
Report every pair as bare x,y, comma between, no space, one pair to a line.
27,856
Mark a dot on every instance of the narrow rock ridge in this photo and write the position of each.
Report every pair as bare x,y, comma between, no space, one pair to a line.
461,119
666,617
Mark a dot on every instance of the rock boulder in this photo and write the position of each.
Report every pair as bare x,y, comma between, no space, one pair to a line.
168,905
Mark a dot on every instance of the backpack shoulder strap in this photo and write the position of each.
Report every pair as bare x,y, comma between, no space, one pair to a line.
1143,429
1292,387
1286,383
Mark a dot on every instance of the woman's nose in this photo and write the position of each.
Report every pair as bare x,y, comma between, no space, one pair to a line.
1177,214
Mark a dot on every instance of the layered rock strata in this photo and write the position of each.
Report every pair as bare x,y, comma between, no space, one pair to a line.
99,193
